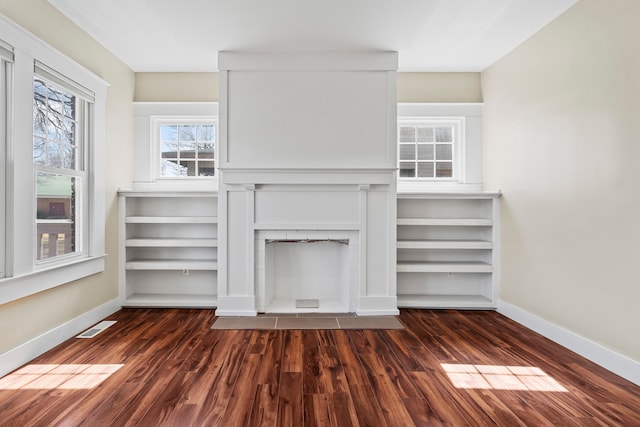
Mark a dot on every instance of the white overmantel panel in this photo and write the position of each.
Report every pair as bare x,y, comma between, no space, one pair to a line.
307,148
328,110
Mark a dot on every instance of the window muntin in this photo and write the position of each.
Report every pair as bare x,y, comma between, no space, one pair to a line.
59,129
427,150
187,148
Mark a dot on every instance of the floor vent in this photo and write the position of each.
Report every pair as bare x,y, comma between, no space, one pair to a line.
307,303
95,330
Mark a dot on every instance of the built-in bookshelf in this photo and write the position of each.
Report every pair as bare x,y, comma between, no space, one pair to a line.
168,248
448,250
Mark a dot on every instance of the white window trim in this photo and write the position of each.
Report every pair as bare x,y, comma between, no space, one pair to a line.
6,61
467,154
156,160
146,151
25,278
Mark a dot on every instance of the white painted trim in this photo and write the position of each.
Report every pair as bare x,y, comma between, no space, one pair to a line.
13,288
377,306
237,305
25,275
325,61
595,352
24,353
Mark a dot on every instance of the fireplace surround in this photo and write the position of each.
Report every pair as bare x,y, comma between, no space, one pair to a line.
307,154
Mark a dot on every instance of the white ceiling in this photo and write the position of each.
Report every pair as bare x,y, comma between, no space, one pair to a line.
430,35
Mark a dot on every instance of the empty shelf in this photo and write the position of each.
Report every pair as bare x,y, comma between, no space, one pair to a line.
172,242
443,267
444,244
160,264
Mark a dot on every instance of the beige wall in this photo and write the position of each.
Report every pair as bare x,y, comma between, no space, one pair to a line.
439,87
562,140
29,317
412,87
176,87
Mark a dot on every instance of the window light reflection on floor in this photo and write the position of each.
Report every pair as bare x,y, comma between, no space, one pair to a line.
54,376
499,377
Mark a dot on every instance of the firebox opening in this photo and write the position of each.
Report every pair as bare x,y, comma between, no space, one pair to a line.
307,269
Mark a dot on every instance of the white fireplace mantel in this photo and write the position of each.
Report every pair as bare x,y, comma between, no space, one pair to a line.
307,148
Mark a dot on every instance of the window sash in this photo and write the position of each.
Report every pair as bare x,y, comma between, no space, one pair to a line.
73,227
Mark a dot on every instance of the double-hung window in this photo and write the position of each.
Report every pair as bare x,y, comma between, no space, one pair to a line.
52,154
61,117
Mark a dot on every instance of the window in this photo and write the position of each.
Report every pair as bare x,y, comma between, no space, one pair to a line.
427,149
176,145
187,148
60,130
439,147
52,212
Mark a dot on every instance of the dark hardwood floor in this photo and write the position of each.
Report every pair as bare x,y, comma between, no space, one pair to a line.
158,367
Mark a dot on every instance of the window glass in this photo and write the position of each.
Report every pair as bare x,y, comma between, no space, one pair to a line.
426,150
187,149
58,174
55,217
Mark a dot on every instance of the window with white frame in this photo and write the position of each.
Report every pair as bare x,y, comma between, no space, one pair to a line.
428,149
61,114
52,152
186,147
6,59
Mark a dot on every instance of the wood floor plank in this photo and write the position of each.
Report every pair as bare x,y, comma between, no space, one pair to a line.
446,368
215,403
264,411
292,354
290,403
387,386
316,411
340,403
366,405
312,375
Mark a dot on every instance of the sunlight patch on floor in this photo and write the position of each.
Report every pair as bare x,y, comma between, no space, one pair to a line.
499,377
54,376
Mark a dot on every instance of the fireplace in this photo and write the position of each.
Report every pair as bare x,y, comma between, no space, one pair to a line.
307,183
306,271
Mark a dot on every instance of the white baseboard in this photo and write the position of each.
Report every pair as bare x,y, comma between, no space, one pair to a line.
597,353
24,353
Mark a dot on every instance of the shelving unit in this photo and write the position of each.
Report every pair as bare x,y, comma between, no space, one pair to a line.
168,248
448,250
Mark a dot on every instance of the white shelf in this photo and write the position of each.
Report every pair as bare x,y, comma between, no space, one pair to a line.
171,220
161,264
445,301
168,242
171,300
443,267
171,243
470,222
462,232
444,244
